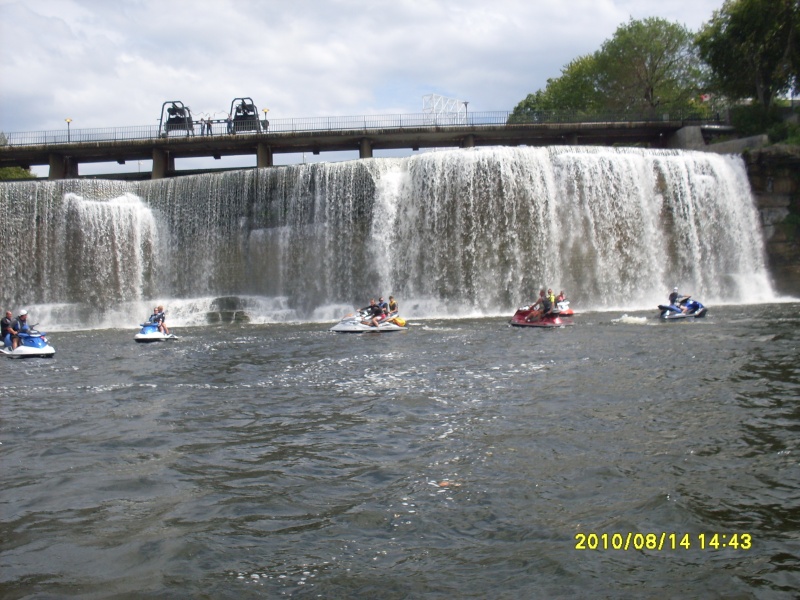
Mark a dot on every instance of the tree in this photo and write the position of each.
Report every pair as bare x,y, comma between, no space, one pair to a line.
7,173
575,90
649,65
752,48
646,66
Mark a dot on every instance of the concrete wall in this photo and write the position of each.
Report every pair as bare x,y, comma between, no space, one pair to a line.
691,138
739,146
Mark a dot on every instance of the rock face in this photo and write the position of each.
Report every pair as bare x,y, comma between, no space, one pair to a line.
774,174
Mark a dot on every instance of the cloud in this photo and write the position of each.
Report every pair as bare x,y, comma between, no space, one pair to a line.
107,64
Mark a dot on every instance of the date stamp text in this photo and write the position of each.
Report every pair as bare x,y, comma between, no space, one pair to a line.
663,541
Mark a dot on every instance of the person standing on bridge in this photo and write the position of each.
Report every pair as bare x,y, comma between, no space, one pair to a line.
229,120
208,126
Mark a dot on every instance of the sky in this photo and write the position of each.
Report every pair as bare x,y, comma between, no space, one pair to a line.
113,63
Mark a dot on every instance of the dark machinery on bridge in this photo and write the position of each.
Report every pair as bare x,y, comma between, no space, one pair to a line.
245,116
179,118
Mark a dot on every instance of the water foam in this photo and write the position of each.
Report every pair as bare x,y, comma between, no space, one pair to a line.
451,234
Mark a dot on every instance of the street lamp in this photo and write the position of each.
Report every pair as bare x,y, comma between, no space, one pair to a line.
466,119
266,123
68,120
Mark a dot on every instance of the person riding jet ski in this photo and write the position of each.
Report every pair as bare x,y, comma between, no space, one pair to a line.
20,325
374,313
675,299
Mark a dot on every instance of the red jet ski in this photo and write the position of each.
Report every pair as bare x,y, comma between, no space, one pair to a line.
529,317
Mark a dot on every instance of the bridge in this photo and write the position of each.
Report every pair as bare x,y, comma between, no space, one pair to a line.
65,150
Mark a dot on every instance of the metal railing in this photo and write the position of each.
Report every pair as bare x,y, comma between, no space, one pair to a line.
342,124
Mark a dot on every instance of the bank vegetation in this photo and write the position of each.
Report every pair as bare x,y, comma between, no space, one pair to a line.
744,63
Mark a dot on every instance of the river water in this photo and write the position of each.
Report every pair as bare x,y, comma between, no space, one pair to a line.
459,459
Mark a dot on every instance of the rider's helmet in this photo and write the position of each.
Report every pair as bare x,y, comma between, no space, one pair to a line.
23,313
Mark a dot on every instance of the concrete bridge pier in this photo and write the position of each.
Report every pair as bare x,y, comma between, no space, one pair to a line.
263,156
365,150
468,141
163,162
571,139
62,167
686,138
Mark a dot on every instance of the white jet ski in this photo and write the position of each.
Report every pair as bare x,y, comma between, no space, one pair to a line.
360,323
150,333
32,344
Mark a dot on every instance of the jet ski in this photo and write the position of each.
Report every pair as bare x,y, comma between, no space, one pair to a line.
360,323
527,316
563,309
31,344
149,333
675,312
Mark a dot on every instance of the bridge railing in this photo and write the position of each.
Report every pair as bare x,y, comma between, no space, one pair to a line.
343,124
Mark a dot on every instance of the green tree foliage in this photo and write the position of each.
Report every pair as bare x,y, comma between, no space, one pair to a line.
647,66
7,173
575,90
753,49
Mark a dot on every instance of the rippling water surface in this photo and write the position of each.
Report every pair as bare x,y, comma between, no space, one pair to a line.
458,459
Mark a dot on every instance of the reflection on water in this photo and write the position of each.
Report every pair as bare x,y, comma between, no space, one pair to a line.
458,458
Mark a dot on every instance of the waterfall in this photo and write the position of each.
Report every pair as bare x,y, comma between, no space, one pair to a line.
462,232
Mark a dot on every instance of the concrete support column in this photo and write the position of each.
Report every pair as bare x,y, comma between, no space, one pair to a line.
468,141
163,162
62,167
263,156
365,151
72,168
57,167
571,139
687,138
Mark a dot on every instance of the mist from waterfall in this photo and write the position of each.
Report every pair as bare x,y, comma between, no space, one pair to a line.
462,232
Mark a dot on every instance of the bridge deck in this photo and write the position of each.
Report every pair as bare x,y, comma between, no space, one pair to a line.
364,134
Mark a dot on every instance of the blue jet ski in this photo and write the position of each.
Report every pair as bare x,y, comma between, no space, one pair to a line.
683,308
149,333
31,344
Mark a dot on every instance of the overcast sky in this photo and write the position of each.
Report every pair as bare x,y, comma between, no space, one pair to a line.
112,63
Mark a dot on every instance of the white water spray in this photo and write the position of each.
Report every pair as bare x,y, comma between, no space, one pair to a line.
471,232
